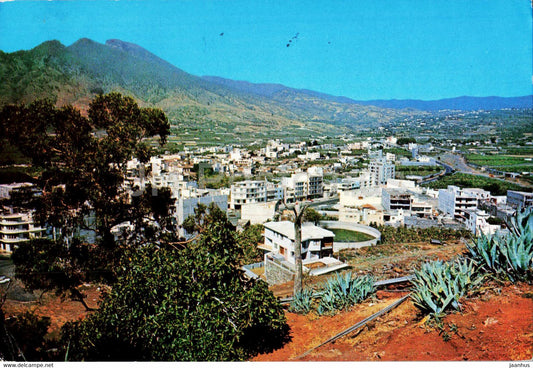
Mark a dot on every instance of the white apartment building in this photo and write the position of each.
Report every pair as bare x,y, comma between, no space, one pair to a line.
380,171
455,202
253,191
304,185
409,201
316,242
519,200
16,228
6,189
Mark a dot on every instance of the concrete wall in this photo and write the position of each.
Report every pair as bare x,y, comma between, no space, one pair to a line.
276,272
258,213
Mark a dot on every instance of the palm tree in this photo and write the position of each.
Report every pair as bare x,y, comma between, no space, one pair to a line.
298,210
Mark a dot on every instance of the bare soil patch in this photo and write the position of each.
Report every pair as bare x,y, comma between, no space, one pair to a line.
496,325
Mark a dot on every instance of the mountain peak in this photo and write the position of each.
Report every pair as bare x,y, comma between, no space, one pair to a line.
124,46
49,47
84,41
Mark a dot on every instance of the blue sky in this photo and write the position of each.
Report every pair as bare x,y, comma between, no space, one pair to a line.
364,49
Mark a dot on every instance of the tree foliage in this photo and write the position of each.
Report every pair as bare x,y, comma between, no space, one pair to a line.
27,333
82,166
405,140
192,304
248,239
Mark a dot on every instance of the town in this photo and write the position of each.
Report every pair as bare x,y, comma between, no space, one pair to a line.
370,182
265,181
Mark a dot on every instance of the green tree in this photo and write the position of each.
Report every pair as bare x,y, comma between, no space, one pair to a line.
405,140
82,166
312,215
192,304
248,239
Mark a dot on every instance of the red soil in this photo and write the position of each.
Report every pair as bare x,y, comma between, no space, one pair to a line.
495,325
59,310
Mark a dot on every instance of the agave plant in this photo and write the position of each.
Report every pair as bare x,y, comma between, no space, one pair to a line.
302,302
344,290
439,285
509,255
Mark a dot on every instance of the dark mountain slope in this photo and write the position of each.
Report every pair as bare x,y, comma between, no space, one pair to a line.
74,74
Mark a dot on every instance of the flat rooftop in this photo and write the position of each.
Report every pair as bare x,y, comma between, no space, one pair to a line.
309,231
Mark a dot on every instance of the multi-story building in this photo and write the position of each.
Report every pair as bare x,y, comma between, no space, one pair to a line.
455,202
253,191
477,221
316,241
304,185
380,170
402,199
6,189
519,200
315,182
16,228
395,199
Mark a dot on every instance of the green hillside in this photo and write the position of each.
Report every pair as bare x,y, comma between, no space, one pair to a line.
199,108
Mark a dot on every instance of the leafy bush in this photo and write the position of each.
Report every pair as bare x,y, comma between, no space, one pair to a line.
439,285
509,256
302,302
342,291
190,304
23,337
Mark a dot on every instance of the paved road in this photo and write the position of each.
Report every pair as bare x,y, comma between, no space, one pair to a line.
458,163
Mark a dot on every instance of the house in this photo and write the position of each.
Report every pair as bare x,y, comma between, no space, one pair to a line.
316,242
477,221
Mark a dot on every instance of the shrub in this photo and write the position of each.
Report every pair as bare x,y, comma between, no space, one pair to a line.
439,285
342,291
509,256
302,302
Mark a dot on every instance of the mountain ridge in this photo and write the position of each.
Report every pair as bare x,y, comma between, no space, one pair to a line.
465,103
75,74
